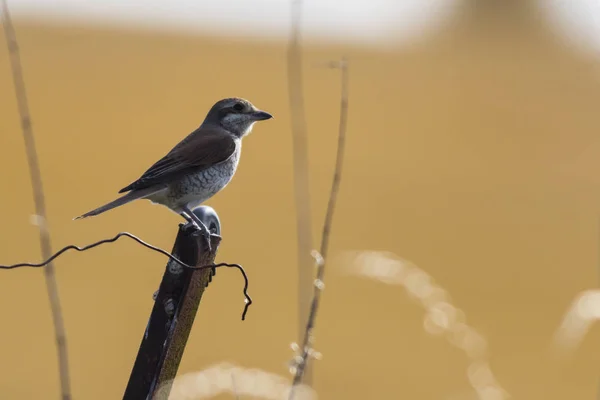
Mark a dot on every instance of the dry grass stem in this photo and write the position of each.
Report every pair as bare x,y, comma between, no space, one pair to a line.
38,197
300,155
306,351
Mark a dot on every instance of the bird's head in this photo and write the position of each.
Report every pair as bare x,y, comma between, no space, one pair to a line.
236,115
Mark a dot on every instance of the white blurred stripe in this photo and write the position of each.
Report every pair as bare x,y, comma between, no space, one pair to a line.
349,20
235,381
578,21
576,323
441,318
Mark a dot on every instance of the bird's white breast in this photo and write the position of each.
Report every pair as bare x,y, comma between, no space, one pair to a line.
195,188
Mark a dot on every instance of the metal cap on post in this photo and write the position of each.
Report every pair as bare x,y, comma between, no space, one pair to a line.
175,306
210,218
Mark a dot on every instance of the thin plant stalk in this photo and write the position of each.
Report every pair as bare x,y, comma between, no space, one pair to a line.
39,200
321,257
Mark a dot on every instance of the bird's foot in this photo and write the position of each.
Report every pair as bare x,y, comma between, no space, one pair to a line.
203,230
196,223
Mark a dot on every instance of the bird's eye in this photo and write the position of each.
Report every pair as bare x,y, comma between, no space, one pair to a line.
238,107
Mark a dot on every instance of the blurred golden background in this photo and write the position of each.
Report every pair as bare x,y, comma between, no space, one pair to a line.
474,153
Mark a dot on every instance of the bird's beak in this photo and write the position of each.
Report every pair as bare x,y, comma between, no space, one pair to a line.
261,115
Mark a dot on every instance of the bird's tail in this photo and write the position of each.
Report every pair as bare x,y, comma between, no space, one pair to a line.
133,195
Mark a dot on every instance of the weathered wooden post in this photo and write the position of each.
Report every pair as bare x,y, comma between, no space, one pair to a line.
175,306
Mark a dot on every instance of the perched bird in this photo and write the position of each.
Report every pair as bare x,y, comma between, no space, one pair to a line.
199,166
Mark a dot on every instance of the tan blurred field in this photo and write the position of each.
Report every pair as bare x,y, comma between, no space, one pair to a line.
475,154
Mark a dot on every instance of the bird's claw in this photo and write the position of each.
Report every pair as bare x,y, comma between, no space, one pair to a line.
198,227
206,234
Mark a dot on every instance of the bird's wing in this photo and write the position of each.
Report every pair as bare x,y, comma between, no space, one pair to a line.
203,148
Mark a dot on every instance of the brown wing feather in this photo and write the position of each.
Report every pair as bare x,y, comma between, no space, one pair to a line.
204,147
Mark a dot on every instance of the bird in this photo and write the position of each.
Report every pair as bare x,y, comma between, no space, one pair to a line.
198,167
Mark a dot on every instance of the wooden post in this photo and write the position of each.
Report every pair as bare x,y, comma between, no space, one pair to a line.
175,306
